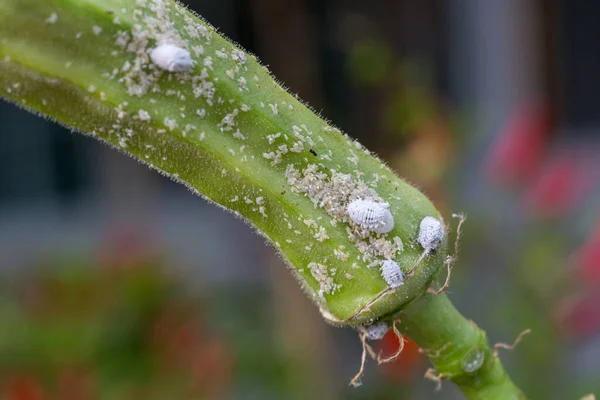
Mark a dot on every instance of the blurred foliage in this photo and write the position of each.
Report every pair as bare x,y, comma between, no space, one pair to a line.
369,62
84,332
120,327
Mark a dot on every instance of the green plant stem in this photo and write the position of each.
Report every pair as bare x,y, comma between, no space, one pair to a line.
228,131
458,349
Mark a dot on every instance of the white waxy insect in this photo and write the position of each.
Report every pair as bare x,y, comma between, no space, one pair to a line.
431,233
372,215
376,331
172,58
391,272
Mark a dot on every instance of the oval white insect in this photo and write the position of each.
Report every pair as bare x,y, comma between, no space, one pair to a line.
391,272
372,215
172,58
376,331
431,233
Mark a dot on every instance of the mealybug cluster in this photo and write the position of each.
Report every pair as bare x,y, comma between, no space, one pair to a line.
372,215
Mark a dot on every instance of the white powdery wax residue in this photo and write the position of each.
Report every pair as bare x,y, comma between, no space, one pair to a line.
321,275
228,121
321,235
391,272
340,254
276,156
153,24
52,18
261,210
333,192
238,56
297,147
431,233
242,82
239,135
198,50
376,331
371,215
189,128
354,159
170,123
221,54
398,242
271,138
172,58
143,115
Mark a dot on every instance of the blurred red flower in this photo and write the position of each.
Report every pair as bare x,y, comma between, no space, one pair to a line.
559,187
22,387
127,247
520,144
192,348
579,316
76,384
587,260
406,367
212,368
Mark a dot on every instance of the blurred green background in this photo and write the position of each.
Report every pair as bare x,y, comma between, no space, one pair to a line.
118,284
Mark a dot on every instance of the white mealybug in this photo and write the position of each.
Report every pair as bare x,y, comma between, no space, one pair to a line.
172,58
431,233
376,331
372,215
391,272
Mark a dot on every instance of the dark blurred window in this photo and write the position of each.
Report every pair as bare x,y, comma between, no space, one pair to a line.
37,158
580,57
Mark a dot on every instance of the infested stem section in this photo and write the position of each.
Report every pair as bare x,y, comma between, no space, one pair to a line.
457,348
160,84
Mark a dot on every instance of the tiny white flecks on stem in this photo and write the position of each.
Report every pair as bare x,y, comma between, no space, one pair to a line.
172,58
391,272
431,233
373,215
